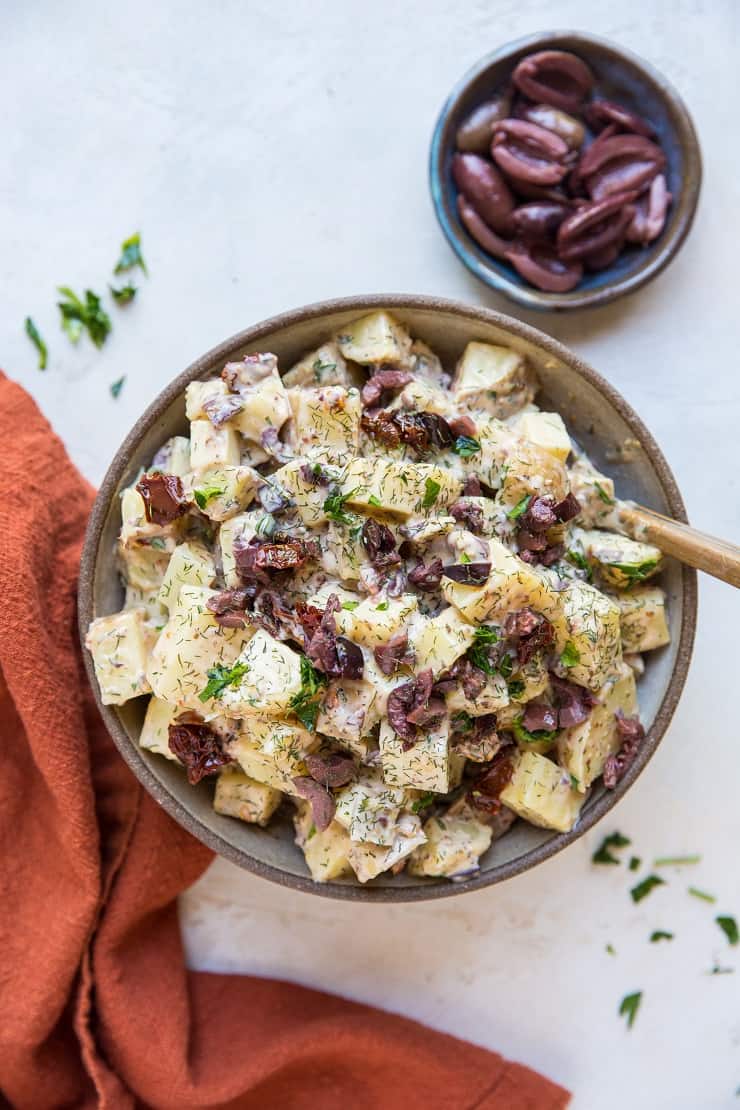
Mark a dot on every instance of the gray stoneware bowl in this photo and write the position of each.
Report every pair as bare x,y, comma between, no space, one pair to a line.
598,417
620,75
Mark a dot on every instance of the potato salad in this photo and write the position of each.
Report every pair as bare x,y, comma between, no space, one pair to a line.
385,598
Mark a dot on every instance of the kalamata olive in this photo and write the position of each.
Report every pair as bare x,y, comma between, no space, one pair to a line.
554,77
650,213
485,189
539,264
620,163
599,113
569,129
529,152
595,226
476,131
538,192
479,229
539,219
600,260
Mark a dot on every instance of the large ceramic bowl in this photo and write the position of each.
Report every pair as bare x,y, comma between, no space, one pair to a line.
598,417
621,76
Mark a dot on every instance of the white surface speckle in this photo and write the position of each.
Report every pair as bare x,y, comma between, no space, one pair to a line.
273,155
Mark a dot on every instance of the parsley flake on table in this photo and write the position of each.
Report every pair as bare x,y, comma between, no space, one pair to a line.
131,255
629,1006
116,387
611,949
676,861
219,677
701,894
431,492
78,315
34,335
660,934
643,889
728,925
634,864
125,294
603,853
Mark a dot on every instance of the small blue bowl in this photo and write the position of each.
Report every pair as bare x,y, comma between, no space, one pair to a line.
620,76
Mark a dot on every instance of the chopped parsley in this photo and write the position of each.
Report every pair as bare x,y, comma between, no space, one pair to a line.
524,736
382,607
643,889
320,368
466,446
350,605
702,894
203,496
305,704
520,507
635,572
570,655
660,934
311,832
78,315
728,925
506,666
423,802
465,558
717,970
603,853
574,782
516,688
603,494
634,864
131,255
334,507
116,387
34,335
220,677
375,501
629,1006
431,492
125,294
611,949
578,559
484,638
675,861
462,721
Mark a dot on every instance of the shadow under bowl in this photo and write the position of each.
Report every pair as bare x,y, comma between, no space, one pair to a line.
620,76
597,416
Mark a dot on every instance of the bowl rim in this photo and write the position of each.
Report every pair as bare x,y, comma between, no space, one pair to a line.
430,890
473,257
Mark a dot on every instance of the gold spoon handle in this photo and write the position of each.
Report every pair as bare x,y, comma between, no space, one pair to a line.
717,557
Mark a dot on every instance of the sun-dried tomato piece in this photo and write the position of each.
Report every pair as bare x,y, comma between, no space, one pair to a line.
199,748
163,496
486,790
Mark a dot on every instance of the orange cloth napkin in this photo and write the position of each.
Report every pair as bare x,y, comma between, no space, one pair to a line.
97,1007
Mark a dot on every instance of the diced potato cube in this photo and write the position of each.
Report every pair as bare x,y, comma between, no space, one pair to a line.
273,752
173,457
593,630
191,564
595,492
375,339
427,529
400,488
643,619
211,446
368,808
223,491
542,793
420,396
266,405
198,394
343,550
348,713
369,860
583,749
375,620
190,644
244,527
120,646
425,365
325,851
326,424
383,684
320,597
620,561
144,549
530,470
425,766
309,497
145,599
324,366
493,697
545,430
512,584
439,641
454,847
237,795
154,735
493,379
271,680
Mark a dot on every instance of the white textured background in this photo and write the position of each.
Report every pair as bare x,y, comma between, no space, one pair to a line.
273,154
